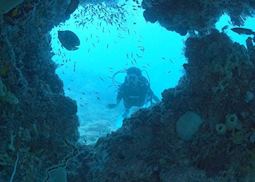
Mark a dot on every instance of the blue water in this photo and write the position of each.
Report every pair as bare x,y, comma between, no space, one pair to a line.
105,49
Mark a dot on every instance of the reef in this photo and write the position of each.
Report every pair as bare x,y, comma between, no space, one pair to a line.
38,123
185,16
203,130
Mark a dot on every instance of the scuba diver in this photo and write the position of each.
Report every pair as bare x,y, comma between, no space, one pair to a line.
135,91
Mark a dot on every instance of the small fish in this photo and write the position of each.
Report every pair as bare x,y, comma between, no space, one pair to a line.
223,29
139,56
101,78
74,67
171,61
122,5
245,31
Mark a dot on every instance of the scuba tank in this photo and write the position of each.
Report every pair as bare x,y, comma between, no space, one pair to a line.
128,71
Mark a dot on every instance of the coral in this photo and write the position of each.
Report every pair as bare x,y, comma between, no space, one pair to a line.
232,122
7,96
2,88
221,129
5,160
59,174
36,117
195,15
147,148
238,137
249,96
14,168
41,130
7,5
226,73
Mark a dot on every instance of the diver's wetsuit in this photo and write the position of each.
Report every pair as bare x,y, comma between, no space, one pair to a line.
134,95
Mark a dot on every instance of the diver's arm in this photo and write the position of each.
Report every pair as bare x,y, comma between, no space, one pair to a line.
118,98
154,97
120,94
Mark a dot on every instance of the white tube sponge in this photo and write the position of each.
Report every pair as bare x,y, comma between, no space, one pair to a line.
7,5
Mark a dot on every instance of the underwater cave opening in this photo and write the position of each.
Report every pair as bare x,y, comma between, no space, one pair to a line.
113,37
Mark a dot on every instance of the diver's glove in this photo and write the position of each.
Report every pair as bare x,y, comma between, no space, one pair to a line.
111,106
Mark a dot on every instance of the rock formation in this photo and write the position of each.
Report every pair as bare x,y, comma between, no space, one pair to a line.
39,124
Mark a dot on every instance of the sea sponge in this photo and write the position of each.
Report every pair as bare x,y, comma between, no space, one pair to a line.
238,137
232,122
249,96
221,128
7,5
188,124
